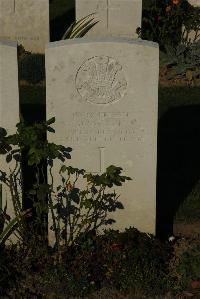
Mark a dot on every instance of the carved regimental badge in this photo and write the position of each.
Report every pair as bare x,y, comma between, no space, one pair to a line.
101,80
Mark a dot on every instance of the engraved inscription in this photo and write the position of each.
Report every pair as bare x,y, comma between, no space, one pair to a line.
103,127
101,80
21,38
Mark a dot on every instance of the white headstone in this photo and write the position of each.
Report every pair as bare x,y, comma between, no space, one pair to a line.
25,21
9,103
116,17
104,95
194,2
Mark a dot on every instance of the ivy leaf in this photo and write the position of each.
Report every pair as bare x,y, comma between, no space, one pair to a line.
63,212
67,155
119,205
72,209
94,190
51,121
61,158
50,129
63,168
109,221
3,151
17,157
8,158
74,195
3,133
4,148
58,188
50,162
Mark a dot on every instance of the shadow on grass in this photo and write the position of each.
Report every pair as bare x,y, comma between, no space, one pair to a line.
178,167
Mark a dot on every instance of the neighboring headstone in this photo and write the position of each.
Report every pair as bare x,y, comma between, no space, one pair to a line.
116,18
192,34
194,2
25,21
104,95
9,103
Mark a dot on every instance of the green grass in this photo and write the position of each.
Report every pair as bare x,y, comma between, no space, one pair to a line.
189,210
177,96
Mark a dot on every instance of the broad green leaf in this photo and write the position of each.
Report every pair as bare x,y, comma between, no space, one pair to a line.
51,121
80,28
12,226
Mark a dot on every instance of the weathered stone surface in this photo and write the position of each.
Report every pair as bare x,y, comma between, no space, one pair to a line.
25,21
9,103
117,18
194,2
104,95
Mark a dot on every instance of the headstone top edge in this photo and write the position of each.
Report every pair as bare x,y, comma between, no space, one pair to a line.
121,0
6,42
85,40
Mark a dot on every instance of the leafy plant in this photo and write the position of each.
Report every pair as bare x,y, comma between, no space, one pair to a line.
12,180
81,211
75,211
185,264
11,225
30,139
191,24
182,59
163,22
80,28
120,260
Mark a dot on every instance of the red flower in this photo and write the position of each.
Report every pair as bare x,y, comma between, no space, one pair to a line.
69,186
158,18
116,247
176,2
195,284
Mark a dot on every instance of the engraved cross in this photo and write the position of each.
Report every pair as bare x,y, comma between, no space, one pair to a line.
102,159
108,8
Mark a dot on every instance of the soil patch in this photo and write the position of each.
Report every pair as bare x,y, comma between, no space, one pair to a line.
191,230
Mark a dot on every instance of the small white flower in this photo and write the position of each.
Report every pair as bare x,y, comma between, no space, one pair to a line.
171,239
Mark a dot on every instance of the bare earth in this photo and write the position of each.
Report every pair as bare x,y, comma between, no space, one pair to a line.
187,229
